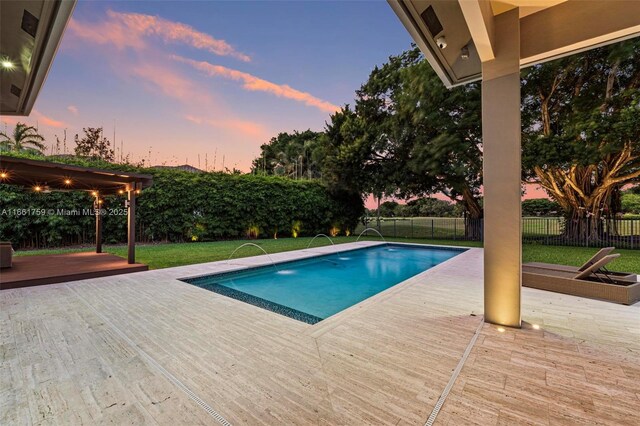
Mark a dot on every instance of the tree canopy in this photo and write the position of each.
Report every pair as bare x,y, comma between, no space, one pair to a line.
581,129
408,136
94,144
294,155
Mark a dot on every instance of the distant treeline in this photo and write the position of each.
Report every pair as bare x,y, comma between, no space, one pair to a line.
433,207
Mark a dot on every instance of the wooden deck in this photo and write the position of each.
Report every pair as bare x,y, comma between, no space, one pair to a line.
139,348
38,270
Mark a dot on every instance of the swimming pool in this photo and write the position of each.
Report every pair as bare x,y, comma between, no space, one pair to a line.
313,289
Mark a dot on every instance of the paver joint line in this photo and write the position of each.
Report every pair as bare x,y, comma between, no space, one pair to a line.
173,379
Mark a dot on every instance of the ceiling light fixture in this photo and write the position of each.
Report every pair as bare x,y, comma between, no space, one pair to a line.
7,64
464,52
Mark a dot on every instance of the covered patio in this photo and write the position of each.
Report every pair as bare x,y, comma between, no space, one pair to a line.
43,177
491,41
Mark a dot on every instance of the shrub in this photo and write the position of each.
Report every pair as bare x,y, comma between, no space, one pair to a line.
540,207
182,206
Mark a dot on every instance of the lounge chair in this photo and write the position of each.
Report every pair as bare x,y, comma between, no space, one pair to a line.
602,253
596,257
594,282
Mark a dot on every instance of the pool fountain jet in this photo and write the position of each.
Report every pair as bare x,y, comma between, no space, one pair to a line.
371,229
321,235
254,245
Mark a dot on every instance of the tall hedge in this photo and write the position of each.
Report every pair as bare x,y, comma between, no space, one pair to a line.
182,206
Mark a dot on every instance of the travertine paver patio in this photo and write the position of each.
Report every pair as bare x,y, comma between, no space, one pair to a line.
130,349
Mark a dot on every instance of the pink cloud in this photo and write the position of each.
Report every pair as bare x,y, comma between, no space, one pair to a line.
10,120
73,109
128,30
47,121
247,128
170,83
109,32
253,83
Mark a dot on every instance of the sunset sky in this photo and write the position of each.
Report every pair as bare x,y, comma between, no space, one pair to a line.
186,78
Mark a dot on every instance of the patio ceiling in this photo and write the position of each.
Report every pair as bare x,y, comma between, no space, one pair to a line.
64,177
548,29
30,33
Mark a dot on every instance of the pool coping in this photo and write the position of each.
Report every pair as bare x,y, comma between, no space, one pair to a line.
295,314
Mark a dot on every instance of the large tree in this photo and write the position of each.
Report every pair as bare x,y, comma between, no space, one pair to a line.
23,139
410,136
581,131
446,137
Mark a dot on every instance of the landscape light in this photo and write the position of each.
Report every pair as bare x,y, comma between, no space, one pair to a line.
120,191
67,181
94,193
4,175
7,64
37,188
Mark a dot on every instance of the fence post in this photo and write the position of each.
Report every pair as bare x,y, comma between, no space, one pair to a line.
395,234
455,228
412,228
432,228
632,235
548,233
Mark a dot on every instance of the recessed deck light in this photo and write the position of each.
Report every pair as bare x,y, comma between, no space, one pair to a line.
536,327
501,329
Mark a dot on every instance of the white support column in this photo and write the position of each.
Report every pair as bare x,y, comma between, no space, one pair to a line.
501,132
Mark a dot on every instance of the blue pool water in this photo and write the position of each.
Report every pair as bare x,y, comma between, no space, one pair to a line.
313,289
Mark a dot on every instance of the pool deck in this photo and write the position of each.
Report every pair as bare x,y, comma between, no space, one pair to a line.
145,348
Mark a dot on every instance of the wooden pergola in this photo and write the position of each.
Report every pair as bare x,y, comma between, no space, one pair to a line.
45,176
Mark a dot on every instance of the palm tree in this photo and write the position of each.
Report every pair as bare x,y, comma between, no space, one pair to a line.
25,139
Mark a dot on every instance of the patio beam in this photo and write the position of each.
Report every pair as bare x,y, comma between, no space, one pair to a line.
131,224
480,21
502,173
97,209
571,27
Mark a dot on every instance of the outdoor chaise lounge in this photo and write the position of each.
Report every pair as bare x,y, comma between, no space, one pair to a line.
596,257
575,269
594,281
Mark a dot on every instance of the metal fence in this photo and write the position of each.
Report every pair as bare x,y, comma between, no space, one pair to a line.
621,233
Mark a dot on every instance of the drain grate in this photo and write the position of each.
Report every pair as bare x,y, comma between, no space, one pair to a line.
173,379
454,376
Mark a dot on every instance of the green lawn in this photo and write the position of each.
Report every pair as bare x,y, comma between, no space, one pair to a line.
169,255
